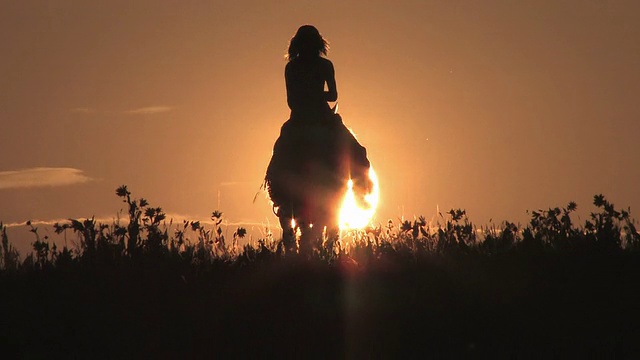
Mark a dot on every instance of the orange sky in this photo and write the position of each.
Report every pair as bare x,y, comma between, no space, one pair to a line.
497,107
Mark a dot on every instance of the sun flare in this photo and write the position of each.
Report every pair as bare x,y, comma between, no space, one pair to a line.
353,215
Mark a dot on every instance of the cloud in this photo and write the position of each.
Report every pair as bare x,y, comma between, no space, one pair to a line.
41,177
236,183
83,110
150,110
176,219
49,222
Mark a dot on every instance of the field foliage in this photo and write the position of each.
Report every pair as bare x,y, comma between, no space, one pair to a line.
144,287
145,233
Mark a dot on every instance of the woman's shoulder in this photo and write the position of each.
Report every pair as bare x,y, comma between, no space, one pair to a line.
325,64
325,61
295,63
305,63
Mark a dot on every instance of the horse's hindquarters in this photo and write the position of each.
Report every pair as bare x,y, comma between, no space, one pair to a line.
308,173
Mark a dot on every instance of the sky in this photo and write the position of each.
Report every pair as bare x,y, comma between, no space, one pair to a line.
496,107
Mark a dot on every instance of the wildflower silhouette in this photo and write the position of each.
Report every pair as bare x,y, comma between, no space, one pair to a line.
547,287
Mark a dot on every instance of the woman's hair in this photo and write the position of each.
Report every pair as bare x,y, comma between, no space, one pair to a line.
307,41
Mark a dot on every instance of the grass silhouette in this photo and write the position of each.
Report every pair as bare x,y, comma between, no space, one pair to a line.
142,287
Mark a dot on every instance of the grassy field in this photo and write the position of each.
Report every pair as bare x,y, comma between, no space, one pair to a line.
550,288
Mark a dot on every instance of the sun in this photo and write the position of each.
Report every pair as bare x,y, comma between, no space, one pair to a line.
353,215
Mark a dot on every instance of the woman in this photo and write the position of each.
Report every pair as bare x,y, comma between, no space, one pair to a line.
306,74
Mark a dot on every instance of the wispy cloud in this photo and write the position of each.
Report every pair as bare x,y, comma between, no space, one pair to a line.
236,183
171,218
149,110
83,110
41,177
37,222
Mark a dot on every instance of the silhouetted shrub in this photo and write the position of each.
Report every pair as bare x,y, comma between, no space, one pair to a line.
145,234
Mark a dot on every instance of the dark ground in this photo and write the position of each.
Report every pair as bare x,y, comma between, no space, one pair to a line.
547,306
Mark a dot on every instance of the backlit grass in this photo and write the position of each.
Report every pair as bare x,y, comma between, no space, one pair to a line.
142,287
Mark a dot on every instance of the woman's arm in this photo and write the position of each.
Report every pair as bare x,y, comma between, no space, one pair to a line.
287,80
332,94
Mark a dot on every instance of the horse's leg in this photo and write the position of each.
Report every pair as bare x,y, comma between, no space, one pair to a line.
310,239
288,234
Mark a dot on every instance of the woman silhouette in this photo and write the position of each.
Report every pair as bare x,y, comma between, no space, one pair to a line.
306,74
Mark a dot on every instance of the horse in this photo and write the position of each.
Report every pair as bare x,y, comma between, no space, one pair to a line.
307,177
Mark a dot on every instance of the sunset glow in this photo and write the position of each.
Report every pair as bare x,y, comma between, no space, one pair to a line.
354,216
459,104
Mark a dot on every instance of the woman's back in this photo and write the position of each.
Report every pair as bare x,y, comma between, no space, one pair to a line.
306,74
305,79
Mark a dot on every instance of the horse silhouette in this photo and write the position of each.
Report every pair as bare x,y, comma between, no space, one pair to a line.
308,174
